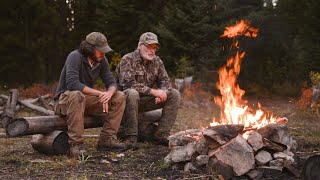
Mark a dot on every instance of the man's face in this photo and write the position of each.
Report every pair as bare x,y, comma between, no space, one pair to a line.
98,56
148,51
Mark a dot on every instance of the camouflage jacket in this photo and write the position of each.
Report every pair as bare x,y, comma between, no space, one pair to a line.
133,73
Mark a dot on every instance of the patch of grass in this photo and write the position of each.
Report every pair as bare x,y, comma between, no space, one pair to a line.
161,165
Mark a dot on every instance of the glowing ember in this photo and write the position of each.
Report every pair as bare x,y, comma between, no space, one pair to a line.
233,108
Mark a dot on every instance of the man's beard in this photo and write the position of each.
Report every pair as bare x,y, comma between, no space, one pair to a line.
145,56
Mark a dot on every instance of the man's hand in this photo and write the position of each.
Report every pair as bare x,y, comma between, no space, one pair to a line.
104,98
161,95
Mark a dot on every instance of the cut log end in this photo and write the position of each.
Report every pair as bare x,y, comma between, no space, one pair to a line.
54,143
60,144
19,126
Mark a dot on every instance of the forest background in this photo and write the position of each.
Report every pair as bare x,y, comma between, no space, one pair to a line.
36,37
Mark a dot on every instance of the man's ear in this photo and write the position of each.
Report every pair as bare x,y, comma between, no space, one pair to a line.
139,45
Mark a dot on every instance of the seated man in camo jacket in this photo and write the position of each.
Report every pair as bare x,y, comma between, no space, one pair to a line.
142,77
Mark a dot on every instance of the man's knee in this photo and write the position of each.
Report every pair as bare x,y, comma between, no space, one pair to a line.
131,94
119,96
76,96
175,94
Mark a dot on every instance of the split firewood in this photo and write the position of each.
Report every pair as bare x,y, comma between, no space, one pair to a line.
291,169
8,113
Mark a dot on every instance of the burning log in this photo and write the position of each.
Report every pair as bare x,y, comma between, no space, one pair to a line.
8,113
55,143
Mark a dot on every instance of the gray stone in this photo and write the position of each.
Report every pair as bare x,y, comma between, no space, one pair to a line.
202,147
263,157
189,167
255,174
202,160
255,140
184,137
181,153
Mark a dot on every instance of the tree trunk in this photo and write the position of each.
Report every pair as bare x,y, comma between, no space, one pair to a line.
54,143
44,124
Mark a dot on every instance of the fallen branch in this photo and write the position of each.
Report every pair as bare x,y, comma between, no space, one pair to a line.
28,104
9,110
37,108
41,99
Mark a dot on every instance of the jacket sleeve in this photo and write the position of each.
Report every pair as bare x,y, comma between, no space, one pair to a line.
72,65
163,78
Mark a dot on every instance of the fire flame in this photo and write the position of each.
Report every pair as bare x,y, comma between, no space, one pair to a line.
233,108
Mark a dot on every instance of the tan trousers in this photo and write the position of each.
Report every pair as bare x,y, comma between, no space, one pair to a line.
75,105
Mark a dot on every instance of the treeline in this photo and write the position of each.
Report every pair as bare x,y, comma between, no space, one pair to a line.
37,36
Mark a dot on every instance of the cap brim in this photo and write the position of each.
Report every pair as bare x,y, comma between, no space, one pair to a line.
104,49
152,42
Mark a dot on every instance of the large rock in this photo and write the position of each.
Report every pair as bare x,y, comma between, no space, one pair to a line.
184,137
221,134
279,134
181,153
237,154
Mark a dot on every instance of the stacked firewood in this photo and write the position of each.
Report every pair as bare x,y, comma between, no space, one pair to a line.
265,153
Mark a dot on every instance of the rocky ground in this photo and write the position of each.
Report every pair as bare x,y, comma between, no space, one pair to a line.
19,161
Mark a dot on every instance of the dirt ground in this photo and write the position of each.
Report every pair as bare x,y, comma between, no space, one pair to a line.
18,160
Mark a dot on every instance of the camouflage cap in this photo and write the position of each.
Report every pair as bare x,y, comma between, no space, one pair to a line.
98,40
149,38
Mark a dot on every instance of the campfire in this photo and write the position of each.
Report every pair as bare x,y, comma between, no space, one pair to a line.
243,141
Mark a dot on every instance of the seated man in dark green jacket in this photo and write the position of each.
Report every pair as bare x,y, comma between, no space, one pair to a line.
143,78
75,96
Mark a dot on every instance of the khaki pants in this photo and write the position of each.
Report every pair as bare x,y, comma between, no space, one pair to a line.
136,103
75,105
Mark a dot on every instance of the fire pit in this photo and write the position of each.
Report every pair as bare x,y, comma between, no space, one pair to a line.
242,141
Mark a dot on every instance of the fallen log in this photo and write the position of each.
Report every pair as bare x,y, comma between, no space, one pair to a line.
9,110
44,124
55,143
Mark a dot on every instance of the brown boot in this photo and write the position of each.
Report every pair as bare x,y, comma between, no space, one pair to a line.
77,150
161,138
109,144
132,142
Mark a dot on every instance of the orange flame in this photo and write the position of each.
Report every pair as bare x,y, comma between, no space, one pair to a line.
233,108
